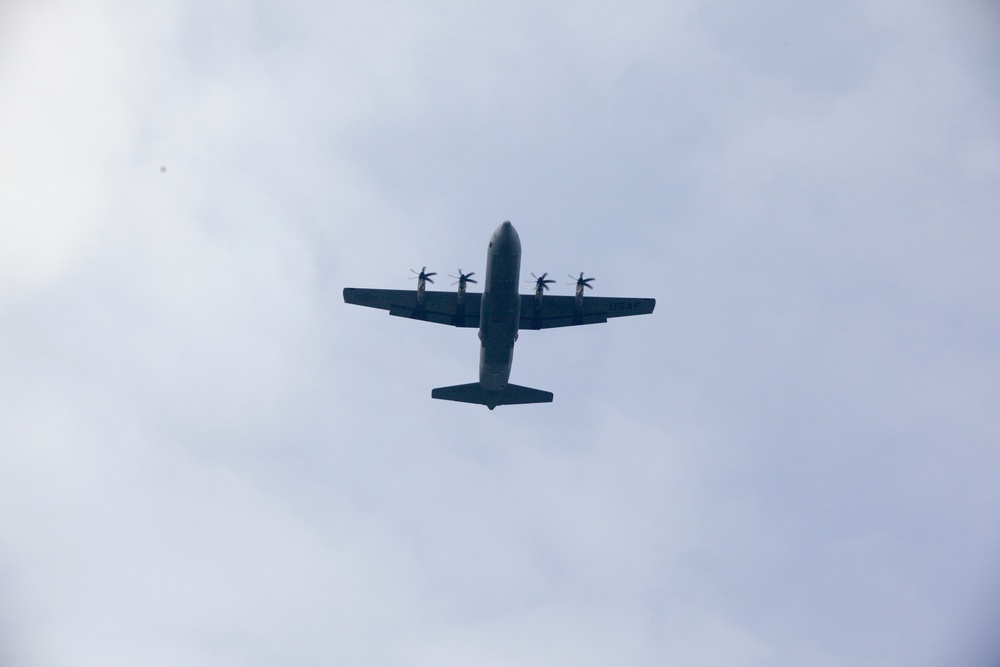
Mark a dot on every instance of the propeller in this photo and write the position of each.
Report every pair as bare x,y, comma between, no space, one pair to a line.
581,282
463,278
423,275
541,283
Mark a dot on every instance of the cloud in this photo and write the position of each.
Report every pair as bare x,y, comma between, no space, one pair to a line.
61,127
207,458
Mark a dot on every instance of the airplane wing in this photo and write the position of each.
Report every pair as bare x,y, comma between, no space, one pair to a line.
562,311
440,307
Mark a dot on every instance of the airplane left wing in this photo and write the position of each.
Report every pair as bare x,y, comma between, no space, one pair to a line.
439,307
566,311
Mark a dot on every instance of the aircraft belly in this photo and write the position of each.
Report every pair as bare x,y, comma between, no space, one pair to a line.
494,366
500,310
498,333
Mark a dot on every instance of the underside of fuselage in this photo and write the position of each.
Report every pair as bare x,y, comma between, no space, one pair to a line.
499,319
500,311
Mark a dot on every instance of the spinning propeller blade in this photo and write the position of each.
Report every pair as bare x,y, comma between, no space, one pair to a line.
541,282
463,278
423,275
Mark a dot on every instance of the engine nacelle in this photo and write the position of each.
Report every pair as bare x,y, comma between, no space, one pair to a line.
462,282
581,282
541,284
422,279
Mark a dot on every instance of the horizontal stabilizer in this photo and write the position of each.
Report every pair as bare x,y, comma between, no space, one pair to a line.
474,393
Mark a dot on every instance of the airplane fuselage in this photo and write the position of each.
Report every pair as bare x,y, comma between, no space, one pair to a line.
500,311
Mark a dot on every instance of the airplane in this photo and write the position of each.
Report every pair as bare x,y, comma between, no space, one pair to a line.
499,312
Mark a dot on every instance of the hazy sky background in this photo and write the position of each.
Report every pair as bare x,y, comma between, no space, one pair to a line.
206,458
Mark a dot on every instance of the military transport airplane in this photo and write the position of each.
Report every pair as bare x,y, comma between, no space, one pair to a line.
499,312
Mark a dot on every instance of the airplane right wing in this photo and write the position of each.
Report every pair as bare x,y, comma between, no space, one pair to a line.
563,311
440,307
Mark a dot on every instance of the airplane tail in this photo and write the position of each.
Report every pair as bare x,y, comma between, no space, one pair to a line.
473,393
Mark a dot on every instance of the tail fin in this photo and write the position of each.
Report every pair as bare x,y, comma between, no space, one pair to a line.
473,393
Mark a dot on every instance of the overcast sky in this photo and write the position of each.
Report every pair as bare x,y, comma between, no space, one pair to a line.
206,458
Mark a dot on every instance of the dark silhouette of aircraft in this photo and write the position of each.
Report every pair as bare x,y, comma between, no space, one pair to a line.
499,312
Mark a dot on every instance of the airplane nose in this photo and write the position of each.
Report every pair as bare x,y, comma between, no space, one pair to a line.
505,230
505,236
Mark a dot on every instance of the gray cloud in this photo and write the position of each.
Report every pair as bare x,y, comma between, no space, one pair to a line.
206,458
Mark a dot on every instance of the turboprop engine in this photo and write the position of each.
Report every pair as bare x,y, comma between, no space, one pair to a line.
422,279
580,283
463,280
541,284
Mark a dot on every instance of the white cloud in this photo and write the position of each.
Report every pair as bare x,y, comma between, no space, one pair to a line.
206,458
61,125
